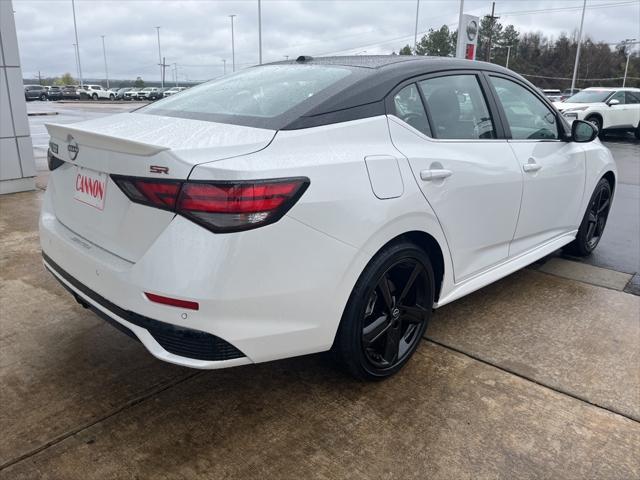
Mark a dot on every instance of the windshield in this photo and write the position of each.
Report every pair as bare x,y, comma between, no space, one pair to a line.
589,96
257,97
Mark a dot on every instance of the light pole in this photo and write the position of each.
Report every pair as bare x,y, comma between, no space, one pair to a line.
625,45
160,62
460,42
175,73
233,47
75,52
415,33
75,28
575,66
104,54
259,33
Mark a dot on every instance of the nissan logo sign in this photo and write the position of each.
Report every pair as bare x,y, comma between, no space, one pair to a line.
72,148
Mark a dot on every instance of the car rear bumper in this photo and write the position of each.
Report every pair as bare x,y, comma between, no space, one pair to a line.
180,345
274,292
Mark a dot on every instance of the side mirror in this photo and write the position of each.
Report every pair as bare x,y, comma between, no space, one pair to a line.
613,102
583,131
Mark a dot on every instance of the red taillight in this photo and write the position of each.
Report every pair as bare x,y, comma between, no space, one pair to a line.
174,302
225,206
155,193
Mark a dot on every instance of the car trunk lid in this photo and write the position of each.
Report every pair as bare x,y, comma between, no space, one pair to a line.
88,202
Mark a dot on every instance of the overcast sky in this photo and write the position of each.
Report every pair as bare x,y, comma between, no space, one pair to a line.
197,34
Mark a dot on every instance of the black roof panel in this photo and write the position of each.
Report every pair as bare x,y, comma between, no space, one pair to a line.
363,61
383,73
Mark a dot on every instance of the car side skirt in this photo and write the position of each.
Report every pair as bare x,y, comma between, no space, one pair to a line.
508,267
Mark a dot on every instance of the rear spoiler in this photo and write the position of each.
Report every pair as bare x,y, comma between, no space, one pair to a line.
101,141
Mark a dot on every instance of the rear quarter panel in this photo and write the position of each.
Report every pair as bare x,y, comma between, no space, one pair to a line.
340,201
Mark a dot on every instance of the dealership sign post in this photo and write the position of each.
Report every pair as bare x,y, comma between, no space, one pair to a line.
468,39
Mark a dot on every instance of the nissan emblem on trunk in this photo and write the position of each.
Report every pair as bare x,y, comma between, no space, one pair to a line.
72,148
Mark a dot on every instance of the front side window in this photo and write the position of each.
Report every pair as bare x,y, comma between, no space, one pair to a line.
528,117
409,108
619,96
457,108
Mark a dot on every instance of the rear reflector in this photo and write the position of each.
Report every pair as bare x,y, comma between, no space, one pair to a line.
174,302
225,206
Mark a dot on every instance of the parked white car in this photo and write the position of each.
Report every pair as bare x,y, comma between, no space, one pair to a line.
132,94
95,92
609,109
150,93
311,205
173,90
553,94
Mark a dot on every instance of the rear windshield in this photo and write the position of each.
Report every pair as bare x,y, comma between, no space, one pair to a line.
269,96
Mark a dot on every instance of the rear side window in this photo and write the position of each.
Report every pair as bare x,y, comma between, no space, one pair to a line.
528,117
457,108
256,95
409,108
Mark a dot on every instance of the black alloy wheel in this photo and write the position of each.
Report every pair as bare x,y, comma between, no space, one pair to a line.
387,313
597,216
594,221
394,313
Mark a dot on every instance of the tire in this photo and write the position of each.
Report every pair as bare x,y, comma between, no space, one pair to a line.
378,333
637,132
112,97
596,122
594,221
43,97
94,96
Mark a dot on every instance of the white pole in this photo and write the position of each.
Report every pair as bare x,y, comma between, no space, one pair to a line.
259,33
575,66
626,67
460,42
160,62
224,66
104,54
627,43
233,47
415,34
508,55
75,28
75,53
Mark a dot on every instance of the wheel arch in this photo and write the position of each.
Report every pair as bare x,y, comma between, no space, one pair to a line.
431,247
610,177
596,114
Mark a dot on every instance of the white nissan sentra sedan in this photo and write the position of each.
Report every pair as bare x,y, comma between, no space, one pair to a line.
316,204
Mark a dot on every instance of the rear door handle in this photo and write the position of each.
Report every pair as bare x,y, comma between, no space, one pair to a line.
531,165
435,174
